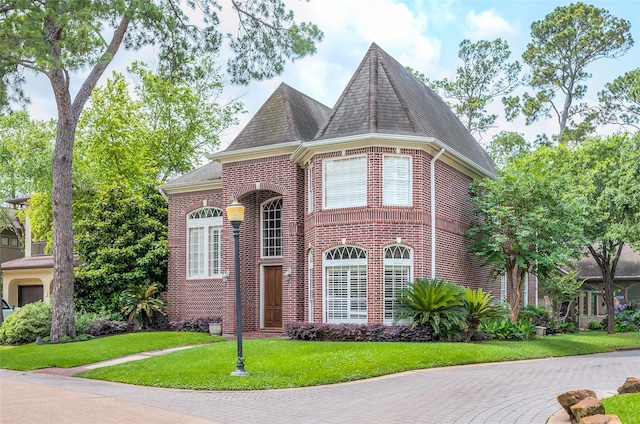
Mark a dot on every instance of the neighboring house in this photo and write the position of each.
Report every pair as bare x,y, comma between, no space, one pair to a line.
28,277
10,247
340,206
626,284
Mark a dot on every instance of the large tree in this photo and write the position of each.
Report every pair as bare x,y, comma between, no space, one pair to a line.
606,180
81,37
526,222
484,74
620,101
562,47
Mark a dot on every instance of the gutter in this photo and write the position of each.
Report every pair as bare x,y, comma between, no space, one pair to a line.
433,212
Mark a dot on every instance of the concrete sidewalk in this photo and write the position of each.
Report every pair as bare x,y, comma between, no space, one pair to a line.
507,392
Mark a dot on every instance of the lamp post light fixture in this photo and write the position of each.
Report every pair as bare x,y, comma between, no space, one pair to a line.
235,215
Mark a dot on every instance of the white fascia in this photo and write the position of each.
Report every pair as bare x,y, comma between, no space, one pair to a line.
255,152
188,187
430,145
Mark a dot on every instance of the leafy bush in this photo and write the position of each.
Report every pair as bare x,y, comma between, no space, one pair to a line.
538,315
505,329
197,325
141,302
626,318
358,332
594,325
480,307
104,326
28,323
436,303
567,327
83,319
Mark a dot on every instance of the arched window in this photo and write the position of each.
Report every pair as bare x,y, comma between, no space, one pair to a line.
272,228
345,281
398,272
204,246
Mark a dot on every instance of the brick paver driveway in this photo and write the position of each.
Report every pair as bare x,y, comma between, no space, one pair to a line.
510,392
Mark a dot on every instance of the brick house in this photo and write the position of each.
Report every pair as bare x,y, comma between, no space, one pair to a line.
340,206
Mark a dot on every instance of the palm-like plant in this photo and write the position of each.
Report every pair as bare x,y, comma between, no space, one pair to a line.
433,302
479,306
141,302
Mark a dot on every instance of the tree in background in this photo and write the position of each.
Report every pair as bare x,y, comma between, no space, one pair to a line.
485,74
605,176
60,39
562,47
526,222
506,146
122,242
620,101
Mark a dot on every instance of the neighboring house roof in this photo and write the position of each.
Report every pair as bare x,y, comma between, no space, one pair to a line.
288,115
384,97
34,262
628,267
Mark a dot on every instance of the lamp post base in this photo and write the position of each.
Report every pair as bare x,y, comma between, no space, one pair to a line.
239,372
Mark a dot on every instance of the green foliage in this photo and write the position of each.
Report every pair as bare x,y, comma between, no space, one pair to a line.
506,146
480,307
562,46
627,319
620,101
485,74
595,326
25,325
141,302
525,221
537,315
567,327
626,407
434,302
561,288
505,329
123,243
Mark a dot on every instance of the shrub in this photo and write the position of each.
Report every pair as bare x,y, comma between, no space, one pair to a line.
594,325
83,319
358,332
197,325
28,323
568,327
538,315
104,326
436,303
140,303
479,306
626,319
505,329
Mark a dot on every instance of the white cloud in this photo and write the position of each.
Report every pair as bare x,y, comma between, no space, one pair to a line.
488,25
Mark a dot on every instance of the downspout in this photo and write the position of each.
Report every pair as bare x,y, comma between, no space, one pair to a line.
433,213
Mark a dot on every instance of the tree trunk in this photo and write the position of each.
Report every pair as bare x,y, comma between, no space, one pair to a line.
607,260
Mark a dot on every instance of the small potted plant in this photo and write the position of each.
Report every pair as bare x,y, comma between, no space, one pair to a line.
215,327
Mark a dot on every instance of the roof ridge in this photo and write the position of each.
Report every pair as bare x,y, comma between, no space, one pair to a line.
394,85
285,98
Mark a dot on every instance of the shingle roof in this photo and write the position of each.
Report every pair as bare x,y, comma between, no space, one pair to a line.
209,172
628,265
384,97
288,115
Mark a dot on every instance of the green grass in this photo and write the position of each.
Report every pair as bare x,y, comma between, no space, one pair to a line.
276,363
68,355
626,407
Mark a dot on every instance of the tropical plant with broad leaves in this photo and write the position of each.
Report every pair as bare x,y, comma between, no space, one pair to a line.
480,306
141,302
434,302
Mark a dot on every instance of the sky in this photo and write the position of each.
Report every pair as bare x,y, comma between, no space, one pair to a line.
422,34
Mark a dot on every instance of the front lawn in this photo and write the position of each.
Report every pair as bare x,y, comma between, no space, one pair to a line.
626,407
68,355
277,363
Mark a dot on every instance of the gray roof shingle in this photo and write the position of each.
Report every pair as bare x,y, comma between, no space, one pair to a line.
384,97
209,172
288,115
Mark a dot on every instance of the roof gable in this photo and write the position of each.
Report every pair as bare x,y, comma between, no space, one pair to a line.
287,115
384,97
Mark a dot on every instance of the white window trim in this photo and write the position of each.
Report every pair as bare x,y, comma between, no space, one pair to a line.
525,292
310,189
386,201
362,202
310,283
262,246
503,289
396,262
206,224
328,263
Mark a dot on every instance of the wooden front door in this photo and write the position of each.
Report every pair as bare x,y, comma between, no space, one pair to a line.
273,296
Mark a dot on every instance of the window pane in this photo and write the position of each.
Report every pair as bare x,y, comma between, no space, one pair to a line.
345,182
196,252
397,180
215,251
272,228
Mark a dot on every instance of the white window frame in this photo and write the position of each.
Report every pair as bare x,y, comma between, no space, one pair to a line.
525,292
310,189
209,221
404,264
310,282
393,186
344,182
353,267
275,250
503,288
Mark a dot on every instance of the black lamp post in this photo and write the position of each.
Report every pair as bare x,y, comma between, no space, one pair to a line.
235,215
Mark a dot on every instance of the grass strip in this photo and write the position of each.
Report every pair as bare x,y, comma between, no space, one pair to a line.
626,407
278,363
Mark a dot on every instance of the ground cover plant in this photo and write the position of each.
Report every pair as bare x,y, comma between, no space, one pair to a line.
280,363
626,407
67,355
